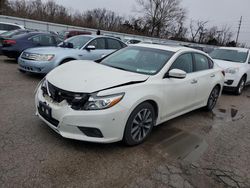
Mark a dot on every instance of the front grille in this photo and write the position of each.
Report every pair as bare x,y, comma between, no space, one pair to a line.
76,100
29,56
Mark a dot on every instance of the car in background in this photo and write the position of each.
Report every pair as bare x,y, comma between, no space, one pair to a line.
9,34
85,47
9,26
236,64
67,34
125,95
15,45
194,47
129,41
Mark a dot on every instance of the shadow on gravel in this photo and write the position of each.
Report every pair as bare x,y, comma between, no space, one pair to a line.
12,61
34,76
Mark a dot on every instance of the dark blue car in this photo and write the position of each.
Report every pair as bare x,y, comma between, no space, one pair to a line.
14,46
10,34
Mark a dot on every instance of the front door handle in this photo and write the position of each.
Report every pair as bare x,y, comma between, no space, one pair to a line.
212,75
194,81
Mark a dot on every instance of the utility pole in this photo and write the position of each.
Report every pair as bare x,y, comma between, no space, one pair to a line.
238,33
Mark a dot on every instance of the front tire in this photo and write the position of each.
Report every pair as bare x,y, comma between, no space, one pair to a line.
213,97
240,86
139,124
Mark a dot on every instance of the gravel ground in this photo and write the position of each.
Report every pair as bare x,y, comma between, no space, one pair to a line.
199,149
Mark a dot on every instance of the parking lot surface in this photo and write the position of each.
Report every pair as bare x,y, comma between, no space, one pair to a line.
199,149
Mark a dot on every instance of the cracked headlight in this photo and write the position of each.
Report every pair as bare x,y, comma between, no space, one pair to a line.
103,102
232,70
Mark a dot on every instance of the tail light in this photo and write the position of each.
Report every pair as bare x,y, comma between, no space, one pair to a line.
223,72
9,42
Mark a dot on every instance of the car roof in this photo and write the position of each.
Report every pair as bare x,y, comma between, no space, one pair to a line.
11,24
235,48
30,34
98,36
172,48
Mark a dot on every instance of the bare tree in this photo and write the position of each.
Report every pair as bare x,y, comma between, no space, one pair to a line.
197,30
4,5
159,13
177,30
225,35
103,19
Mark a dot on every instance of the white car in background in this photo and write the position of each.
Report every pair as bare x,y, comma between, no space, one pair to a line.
236,64
9,27
123,96
129,41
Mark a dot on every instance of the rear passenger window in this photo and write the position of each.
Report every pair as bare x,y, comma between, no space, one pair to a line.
201,62
98,43
113,44
183,62
12,27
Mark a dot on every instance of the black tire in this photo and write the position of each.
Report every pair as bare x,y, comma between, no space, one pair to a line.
212,99
139,124
241,85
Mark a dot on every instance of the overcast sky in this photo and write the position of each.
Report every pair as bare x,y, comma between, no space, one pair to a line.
217,12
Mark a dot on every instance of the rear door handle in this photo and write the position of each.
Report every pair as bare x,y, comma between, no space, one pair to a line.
194,81
212,75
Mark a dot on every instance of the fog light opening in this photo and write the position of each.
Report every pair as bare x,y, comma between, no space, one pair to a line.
91,132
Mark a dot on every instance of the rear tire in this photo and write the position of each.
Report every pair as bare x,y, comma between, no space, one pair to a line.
139,124
241,85
213,97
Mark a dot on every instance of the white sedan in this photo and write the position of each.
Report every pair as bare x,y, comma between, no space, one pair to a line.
125,95
236,63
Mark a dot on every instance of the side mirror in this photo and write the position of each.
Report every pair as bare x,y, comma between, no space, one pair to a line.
90,47
176,73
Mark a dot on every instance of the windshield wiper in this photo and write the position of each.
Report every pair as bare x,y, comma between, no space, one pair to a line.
225,59
117,67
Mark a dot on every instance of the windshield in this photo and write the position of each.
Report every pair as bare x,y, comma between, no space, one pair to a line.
139,59
78,41
229,55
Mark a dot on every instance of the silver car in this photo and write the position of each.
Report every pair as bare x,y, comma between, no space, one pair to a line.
82,47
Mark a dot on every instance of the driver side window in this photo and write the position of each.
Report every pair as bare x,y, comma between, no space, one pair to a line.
183,62
249,60
98,43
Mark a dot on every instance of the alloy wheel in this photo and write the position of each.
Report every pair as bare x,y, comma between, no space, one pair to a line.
213,98
141,124
241,86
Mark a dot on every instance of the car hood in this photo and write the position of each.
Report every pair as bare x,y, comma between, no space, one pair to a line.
227,64
51,50
88,77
